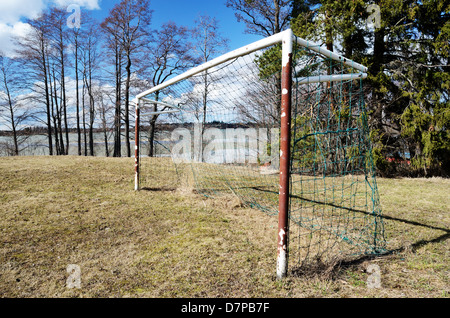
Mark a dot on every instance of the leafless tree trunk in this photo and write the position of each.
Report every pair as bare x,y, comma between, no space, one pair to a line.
57,23
58,123
113,45
118,108
90,61
104,110
262,17
12,109
77,79
88,83
33,49
84,114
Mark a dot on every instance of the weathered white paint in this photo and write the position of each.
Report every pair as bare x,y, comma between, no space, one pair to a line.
281,234
282,256
318,49
288,37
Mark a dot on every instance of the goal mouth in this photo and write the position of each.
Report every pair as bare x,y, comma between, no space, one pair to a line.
282,124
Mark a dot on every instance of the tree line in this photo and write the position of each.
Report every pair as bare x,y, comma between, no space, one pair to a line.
67,78
93,71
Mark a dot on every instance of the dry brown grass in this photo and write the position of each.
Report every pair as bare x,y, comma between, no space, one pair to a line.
168,241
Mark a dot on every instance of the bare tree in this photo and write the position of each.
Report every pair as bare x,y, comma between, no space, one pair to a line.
33,49
104,109
74,38
208,43
261,105
56,111
262,17
90,62
12,110
115,51
168,55
130,21
58,34
265,18
83,109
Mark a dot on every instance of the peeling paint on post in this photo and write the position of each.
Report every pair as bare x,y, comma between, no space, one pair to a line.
136,146
285,151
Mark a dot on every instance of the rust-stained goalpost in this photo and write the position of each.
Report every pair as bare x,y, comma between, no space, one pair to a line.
196,109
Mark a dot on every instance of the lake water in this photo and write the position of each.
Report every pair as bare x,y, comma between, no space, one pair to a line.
220,145
37,145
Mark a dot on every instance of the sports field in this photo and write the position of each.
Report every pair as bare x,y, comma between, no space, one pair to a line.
169,241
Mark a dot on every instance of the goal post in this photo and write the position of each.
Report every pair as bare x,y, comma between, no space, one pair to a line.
285,150
265,122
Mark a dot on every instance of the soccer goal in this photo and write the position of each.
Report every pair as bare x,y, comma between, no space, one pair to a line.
282,125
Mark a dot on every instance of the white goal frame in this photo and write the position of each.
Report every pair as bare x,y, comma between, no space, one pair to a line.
287,39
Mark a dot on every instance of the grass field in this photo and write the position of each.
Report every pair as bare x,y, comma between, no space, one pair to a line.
168,241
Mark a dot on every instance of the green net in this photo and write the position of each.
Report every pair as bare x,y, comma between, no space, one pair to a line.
223,131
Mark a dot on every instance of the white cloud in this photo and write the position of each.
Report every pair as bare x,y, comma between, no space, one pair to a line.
13,13
87,4
8,32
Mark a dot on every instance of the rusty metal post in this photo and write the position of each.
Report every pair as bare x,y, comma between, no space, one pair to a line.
285,153
137,131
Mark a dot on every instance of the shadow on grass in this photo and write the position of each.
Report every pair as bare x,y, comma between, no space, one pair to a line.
335,267
159,189
386,217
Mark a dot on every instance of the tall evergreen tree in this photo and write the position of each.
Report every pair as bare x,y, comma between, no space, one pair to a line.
407,54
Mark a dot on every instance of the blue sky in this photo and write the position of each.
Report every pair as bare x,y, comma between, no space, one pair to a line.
184,12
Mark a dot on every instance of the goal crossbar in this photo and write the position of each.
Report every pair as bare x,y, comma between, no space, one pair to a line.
285,36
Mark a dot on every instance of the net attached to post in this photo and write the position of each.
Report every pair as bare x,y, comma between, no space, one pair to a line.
335,209
226,133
